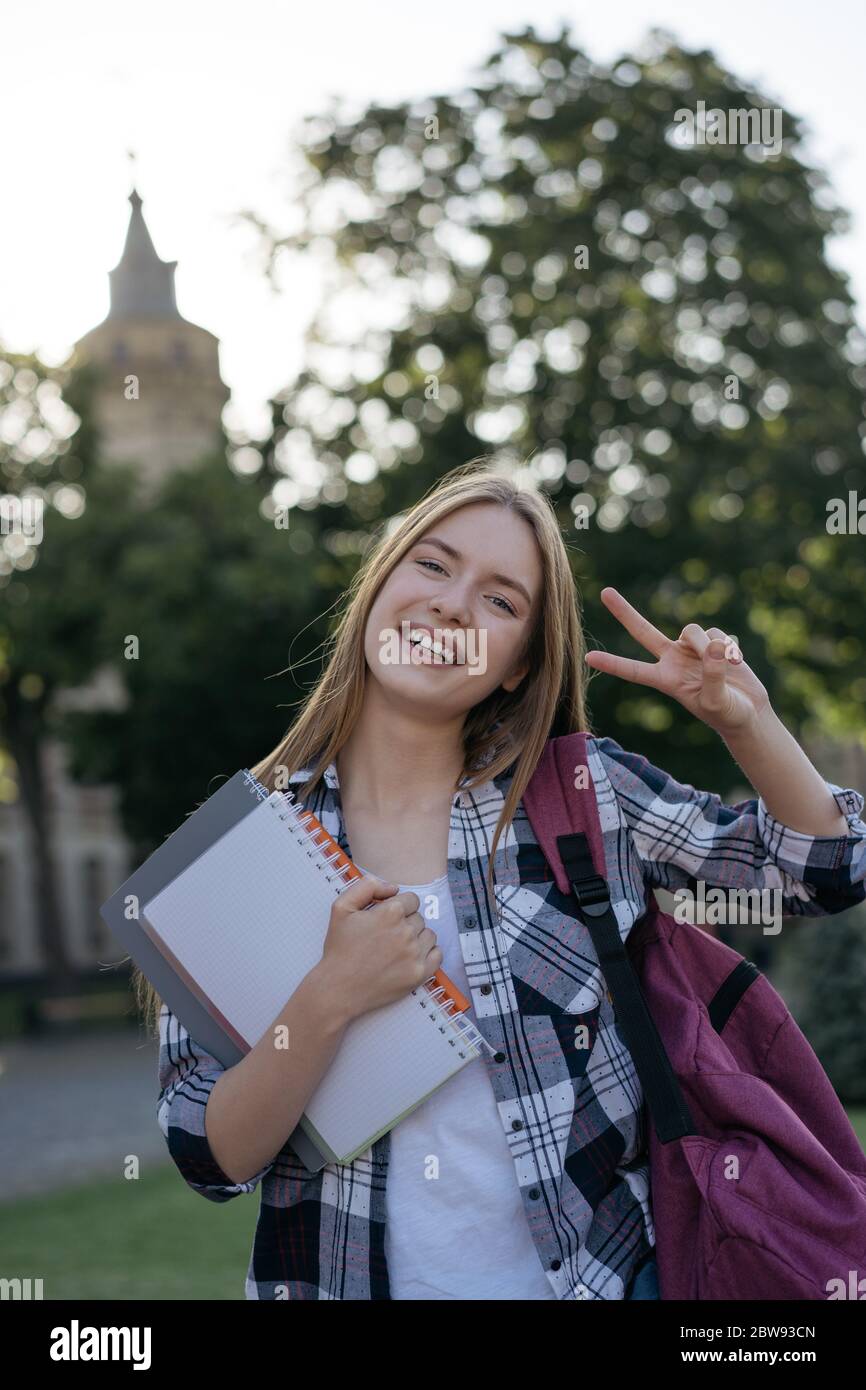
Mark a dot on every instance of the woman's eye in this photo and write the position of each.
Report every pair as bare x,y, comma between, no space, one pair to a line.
494,598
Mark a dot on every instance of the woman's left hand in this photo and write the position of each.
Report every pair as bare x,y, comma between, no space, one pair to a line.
703,669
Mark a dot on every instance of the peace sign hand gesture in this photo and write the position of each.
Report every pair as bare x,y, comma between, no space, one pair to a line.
704,670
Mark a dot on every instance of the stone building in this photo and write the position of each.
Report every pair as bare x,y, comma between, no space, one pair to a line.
158,405
144,346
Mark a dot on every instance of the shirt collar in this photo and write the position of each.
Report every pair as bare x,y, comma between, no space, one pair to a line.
332,780
330,775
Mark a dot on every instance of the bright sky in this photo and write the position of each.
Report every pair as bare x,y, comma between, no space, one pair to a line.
207,93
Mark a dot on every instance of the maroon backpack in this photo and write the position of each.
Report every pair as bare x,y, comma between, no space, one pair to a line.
757,1179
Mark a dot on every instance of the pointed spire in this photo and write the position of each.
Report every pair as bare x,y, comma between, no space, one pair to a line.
142,285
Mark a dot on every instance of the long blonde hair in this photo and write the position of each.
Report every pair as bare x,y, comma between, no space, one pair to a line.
506,726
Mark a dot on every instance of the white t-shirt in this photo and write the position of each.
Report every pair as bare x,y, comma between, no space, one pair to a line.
463,1234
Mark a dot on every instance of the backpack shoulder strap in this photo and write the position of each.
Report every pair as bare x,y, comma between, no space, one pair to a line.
561,805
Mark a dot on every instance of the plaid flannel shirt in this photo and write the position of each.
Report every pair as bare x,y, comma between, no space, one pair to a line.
573,1117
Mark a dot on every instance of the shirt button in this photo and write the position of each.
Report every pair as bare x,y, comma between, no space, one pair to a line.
469,921
499,1056
517,1124
460,863
534,1193
555,1264
486,989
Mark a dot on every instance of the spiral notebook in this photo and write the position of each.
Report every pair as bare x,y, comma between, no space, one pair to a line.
232,913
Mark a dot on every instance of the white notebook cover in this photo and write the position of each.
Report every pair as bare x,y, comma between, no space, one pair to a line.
246,921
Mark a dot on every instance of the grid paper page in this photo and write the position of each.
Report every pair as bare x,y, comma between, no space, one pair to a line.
386,1064
248,920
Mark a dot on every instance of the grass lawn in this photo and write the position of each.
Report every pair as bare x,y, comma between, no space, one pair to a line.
149,1238
858,1120
152,1238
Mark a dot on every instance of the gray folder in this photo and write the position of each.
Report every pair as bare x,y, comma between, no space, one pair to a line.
234,800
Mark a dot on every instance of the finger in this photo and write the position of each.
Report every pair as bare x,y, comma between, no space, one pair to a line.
409,901
732,649
694,636
634,622
363,891
714,693
640,672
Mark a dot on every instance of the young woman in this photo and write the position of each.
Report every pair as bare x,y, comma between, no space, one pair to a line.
525,1176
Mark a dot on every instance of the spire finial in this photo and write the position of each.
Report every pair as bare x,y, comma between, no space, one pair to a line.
142,285
134,196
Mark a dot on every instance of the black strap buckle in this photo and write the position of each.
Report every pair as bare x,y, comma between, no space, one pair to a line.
590,892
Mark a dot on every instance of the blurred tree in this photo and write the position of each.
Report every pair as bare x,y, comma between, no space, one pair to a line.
218,598
827,971
545,267
53,566
220,601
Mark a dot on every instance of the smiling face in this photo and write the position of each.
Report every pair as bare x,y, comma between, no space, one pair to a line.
470,588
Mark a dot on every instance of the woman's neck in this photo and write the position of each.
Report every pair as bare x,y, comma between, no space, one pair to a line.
391,761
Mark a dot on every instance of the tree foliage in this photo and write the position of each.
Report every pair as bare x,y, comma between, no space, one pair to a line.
691,399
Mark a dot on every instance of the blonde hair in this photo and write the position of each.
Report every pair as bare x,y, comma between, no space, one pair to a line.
506,726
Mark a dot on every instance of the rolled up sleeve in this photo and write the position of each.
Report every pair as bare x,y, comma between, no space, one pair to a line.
682,835
833,866
187,1075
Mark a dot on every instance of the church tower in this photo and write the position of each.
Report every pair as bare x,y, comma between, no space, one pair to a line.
174,421
160,396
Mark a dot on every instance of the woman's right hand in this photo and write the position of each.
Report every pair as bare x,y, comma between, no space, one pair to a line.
376,956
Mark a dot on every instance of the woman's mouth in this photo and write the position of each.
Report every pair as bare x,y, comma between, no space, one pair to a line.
432,651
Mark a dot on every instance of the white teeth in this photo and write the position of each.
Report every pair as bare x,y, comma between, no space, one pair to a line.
423,639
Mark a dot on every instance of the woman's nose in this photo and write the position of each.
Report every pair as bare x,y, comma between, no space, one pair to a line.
453,608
